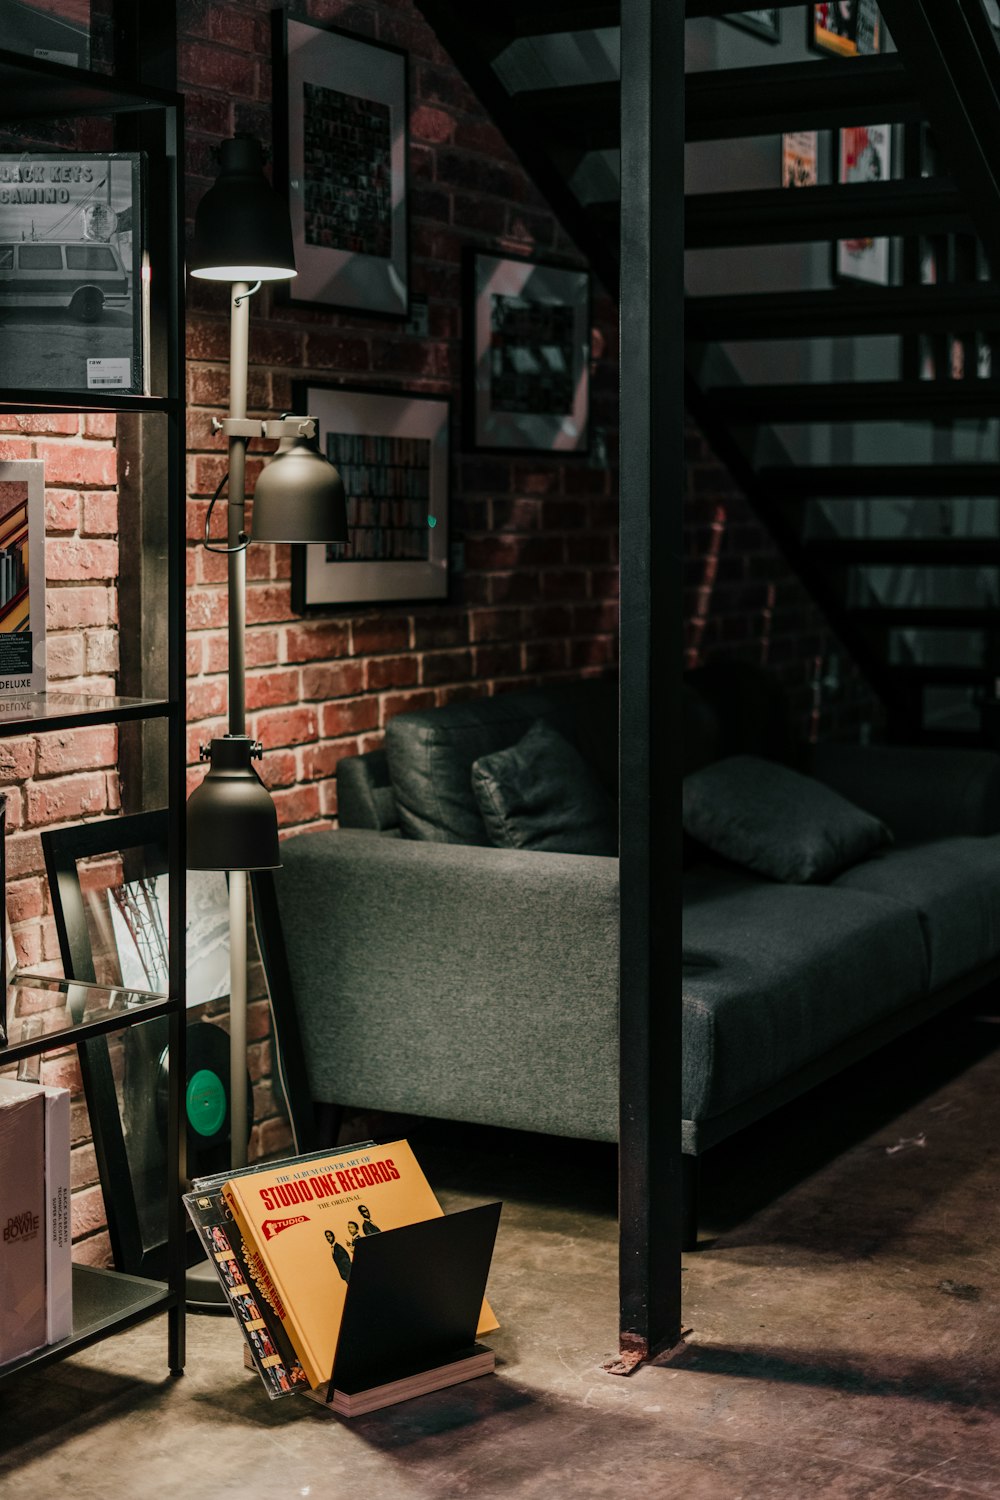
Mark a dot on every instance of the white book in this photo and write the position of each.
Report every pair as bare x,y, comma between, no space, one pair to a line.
22,1219
58,1218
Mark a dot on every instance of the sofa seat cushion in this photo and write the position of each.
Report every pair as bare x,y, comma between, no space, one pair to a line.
954,886
776,975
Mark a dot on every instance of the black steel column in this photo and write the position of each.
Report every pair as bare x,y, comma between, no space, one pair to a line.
652,485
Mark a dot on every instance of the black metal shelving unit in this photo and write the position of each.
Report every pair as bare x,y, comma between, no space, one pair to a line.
147,115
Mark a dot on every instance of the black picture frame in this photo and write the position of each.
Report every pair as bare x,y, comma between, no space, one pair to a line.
754,21
73,236
127,1120
525,280
879,264
375,282
324,579
865,20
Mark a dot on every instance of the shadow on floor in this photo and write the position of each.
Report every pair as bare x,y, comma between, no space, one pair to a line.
943,1382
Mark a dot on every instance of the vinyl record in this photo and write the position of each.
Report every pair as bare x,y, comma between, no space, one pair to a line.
206,1098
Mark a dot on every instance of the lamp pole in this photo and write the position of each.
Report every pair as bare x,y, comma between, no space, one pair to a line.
239,360
242,237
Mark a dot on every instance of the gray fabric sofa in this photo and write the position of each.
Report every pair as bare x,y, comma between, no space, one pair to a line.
479,984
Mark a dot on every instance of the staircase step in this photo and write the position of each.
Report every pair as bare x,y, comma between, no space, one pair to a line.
931,551
858,401
725,103
773,216
926,617
584,116
694,8
843,312
920,674
550,17
892,481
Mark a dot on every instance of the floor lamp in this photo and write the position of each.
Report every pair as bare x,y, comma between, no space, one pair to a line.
243,236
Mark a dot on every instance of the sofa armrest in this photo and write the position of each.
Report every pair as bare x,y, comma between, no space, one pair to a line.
462,982
919,793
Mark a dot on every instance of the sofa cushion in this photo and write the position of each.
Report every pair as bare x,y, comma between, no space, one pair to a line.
431,753
954,886
541,794
775,821
776,975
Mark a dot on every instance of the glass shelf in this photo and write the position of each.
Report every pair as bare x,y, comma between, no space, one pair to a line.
22,712
103,1302
44,1013
15,401
35,87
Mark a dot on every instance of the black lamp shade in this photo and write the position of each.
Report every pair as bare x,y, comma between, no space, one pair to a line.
299,497
231,821
242,231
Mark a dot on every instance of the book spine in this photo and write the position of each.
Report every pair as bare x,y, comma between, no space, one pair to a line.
262,1273
22,1220
58,1232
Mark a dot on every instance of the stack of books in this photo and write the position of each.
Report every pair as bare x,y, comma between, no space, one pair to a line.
36,1271
283,1239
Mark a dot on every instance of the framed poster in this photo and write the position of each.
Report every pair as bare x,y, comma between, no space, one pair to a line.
847,28
800,159
72,292
40,32
341,123
527,337
22,576
392,452
107,884
765,22
864,155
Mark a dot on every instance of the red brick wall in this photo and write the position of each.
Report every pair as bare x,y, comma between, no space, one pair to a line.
538,594
743,601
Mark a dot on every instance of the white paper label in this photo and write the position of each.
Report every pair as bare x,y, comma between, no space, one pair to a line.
70,59
109,374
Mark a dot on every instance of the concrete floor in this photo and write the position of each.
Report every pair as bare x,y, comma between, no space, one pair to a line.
844,1307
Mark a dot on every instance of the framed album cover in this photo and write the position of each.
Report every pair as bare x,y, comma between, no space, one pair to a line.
846,28
391,449
22,577
72,293
800,158
765,22
341,123
864,155
527,336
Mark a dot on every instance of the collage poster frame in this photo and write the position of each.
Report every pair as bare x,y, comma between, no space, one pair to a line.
353,94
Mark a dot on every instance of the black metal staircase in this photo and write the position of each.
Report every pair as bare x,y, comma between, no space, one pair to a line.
899,541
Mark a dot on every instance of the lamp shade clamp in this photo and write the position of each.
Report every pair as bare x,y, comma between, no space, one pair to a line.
300,497
232,823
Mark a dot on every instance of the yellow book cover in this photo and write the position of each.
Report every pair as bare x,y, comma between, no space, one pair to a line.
303,1223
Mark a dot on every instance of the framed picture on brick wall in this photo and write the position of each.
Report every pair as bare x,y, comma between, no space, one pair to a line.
73,296
341,138
391,449
22,580
527,343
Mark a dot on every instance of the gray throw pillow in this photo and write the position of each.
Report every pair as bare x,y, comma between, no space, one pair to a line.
775,821
541,794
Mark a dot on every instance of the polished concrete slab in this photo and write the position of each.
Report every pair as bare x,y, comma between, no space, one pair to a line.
844,1308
